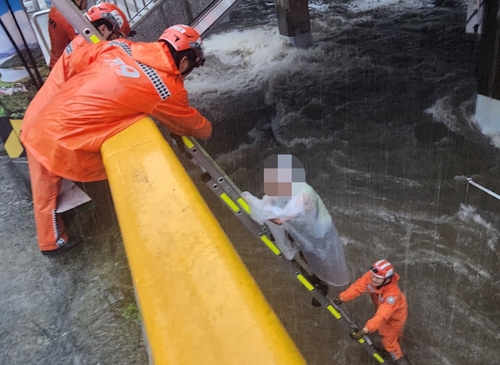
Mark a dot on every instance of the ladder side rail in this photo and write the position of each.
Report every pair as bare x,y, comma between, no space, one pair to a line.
78,21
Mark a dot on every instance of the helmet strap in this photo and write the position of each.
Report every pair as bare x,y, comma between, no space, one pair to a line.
189,68
385,282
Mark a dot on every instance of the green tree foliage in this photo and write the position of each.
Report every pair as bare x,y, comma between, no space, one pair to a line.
14,106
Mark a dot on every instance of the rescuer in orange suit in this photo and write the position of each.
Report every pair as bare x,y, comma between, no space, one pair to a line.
115,84
111,22
381,282
61,32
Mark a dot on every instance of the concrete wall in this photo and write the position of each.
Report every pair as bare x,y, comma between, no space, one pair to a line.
488,89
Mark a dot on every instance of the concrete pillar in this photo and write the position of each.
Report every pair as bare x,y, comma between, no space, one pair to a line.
488,98
475,15
294,22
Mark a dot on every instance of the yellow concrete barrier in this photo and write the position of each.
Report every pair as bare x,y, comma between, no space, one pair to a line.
199,303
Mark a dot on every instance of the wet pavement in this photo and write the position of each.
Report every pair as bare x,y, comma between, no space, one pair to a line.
67,309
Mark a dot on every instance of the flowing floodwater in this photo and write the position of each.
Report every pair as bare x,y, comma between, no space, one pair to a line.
380,111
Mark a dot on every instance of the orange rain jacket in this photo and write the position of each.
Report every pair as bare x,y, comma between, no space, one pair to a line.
114,85
62,71
61,32
389,300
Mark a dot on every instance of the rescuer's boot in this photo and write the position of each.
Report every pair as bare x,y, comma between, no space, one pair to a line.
402,361
71,243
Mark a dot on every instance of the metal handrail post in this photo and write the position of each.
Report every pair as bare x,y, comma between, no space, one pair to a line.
487,191
41,33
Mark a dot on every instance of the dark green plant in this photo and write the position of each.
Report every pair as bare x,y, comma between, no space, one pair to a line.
132,312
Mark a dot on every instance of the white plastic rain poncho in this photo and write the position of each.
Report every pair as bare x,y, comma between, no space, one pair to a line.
307,220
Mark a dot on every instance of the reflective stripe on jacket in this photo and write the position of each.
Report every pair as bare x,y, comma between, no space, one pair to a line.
114,84
389,300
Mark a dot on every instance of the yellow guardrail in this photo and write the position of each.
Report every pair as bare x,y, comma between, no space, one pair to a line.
198,302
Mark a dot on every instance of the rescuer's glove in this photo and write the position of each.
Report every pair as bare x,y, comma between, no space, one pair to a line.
177,140
338,301
358,334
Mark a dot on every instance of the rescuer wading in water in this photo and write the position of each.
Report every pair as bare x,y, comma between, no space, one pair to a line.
381,282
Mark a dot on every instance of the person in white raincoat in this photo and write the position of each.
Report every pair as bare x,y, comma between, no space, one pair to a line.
294,205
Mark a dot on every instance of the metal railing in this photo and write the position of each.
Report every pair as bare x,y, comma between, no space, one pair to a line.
480,187
134,9
39,21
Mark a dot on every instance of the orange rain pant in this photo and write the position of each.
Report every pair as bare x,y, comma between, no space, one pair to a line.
45,186
390,332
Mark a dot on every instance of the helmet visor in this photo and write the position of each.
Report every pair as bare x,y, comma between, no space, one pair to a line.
382,273
375,273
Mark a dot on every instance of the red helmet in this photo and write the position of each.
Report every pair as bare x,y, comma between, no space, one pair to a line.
112,14
183,37
383,269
